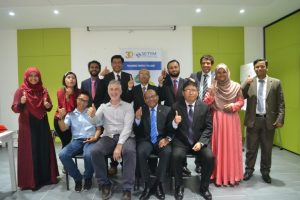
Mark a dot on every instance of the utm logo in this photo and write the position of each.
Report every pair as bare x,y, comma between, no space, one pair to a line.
128,54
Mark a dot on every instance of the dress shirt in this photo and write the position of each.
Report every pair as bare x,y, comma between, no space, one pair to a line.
116,75
208,80
175,126
264,95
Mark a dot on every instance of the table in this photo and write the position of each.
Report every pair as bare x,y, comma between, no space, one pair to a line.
7,136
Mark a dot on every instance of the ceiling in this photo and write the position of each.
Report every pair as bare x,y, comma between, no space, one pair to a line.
82,13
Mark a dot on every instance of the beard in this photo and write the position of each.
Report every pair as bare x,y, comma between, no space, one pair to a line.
174,74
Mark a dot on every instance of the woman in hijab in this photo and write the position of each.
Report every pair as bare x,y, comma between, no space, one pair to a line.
37,164
226,98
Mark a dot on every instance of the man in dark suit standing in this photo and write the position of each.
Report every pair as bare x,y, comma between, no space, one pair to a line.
192,127
265,112
93,85
150,128
203,79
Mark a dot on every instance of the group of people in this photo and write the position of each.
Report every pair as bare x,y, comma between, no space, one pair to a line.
110,117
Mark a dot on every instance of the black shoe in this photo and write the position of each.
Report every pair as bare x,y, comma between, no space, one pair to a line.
112,171
198,169
179,191
159,192
247,175
146,193
126,195
186,171
87,184
78,186
205,194
266,178
106,191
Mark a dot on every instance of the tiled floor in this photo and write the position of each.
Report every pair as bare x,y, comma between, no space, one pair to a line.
285,184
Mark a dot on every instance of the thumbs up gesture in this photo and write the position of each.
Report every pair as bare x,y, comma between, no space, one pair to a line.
61,112
91,111
139,113
46,103
104,71
130,83
177,118
249,80
23,98
162,77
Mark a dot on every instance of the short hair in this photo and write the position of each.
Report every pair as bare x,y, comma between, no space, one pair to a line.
171,62
207,57
115,82
64,77
260,59
86,93
189,81
94,62
117,57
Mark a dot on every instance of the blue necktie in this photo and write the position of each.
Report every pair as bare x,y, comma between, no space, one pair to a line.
260,94
190,121
153,126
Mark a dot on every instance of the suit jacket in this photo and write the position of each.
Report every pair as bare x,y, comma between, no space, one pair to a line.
166,92
275,106
163,120
202,122
100,91
125,77
197,77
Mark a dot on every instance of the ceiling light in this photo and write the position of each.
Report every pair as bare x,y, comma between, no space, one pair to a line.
242,11
131,28
56,12
11,13
198,10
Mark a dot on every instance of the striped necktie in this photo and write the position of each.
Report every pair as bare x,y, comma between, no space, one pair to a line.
204,88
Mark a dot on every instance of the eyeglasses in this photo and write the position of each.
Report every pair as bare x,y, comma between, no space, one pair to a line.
82,100
150,97
191,90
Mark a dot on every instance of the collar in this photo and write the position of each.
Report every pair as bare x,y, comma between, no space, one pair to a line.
155,108
115,74
77,111
146,86
208,74
187,104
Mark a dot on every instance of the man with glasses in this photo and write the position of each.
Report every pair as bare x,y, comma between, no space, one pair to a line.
84,135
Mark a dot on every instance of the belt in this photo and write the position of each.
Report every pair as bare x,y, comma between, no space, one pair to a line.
258,115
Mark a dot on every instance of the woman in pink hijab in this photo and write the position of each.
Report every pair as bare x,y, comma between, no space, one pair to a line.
226,98
37,164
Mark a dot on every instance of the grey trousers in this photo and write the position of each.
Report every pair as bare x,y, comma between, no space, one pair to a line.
104,147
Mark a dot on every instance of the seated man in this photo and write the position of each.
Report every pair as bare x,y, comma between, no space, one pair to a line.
117,117
152,137
84,135
192,126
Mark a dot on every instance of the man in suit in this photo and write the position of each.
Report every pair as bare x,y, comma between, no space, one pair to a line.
150,128
203,79
192,128
93,85
265,112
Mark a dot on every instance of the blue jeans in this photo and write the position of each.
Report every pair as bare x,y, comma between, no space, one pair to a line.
73,148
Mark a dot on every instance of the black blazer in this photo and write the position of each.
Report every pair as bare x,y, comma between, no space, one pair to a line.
100,91
143,130
197,77
202,122
167,94
125,77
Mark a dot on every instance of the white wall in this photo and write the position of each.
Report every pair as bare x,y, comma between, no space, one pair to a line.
9,77
253,43
102,45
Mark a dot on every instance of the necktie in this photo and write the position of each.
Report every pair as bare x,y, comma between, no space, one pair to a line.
144,89
119,77
175,86
93,88
260,99
190,123
204,88
153,127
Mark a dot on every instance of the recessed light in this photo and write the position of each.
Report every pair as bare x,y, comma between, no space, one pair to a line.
12,13
198,10
56,12
242,11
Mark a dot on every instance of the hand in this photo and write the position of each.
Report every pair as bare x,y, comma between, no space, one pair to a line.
139,113
130,83
162,77
278,125
46,103
91,111
211,91
177,118
117,152
163,142
90,140
104,71
249,80
23,98
69,91
228,108
197,146
62,112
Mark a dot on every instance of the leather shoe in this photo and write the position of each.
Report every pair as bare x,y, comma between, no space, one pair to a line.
247,175
159,192
198,169
146,193
186,171
205,194
266,178
106,191
126,195
179,191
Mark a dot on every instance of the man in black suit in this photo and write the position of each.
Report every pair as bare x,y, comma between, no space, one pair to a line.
203,79
150,127
93,85
192,127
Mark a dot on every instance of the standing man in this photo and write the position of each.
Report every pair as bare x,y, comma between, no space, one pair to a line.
117,139
203,79
265,112
192,127
152,136
93,85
